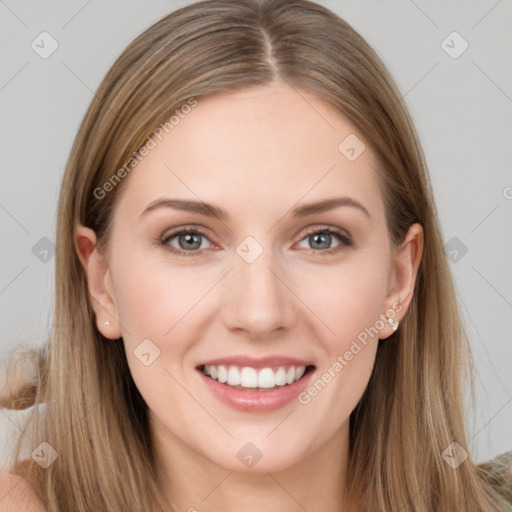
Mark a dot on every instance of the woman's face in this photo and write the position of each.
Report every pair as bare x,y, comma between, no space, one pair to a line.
261,282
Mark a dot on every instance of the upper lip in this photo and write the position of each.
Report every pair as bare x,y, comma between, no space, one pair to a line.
257,363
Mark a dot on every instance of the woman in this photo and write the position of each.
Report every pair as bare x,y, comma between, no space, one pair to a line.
206,353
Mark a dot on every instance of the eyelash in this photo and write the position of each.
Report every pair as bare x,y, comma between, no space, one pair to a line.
344,239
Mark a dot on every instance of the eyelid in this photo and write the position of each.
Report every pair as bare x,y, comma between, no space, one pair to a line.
326,228
171,233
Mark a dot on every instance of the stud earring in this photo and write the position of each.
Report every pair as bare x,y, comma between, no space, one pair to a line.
393,323
107,322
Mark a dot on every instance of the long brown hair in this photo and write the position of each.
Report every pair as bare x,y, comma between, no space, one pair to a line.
94,416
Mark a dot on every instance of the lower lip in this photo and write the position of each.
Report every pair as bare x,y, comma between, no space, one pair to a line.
257,401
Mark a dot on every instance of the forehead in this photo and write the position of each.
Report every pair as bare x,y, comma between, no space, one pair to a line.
259,147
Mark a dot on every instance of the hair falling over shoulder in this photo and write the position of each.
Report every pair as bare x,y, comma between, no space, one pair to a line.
85,403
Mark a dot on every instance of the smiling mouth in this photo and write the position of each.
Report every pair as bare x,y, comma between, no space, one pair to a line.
247,378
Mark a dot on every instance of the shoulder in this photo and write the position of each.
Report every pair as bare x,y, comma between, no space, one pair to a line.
17,495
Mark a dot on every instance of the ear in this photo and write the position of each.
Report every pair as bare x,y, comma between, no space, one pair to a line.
99,282
405,264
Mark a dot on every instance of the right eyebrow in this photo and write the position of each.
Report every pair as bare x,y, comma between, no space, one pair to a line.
200,207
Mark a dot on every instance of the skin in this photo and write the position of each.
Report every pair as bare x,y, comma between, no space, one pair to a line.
258,154
17,495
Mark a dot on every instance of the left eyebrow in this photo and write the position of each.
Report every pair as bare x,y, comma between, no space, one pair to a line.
328,204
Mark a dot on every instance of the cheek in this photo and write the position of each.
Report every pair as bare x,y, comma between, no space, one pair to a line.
349,300
153,297
349,307
156,303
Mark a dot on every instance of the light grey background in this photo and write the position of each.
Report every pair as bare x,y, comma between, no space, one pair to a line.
462,108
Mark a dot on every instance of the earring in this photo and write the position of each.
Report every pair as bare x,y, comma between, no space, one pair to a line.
107,322
393,323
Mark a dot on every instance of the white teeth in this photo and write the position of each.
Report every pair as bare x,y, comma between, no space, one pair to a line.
249,377
299,372
222,374
280,377
266,378
233,376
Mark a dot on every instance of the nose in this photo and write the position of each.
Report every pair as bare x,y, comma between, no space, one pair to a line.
257,299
